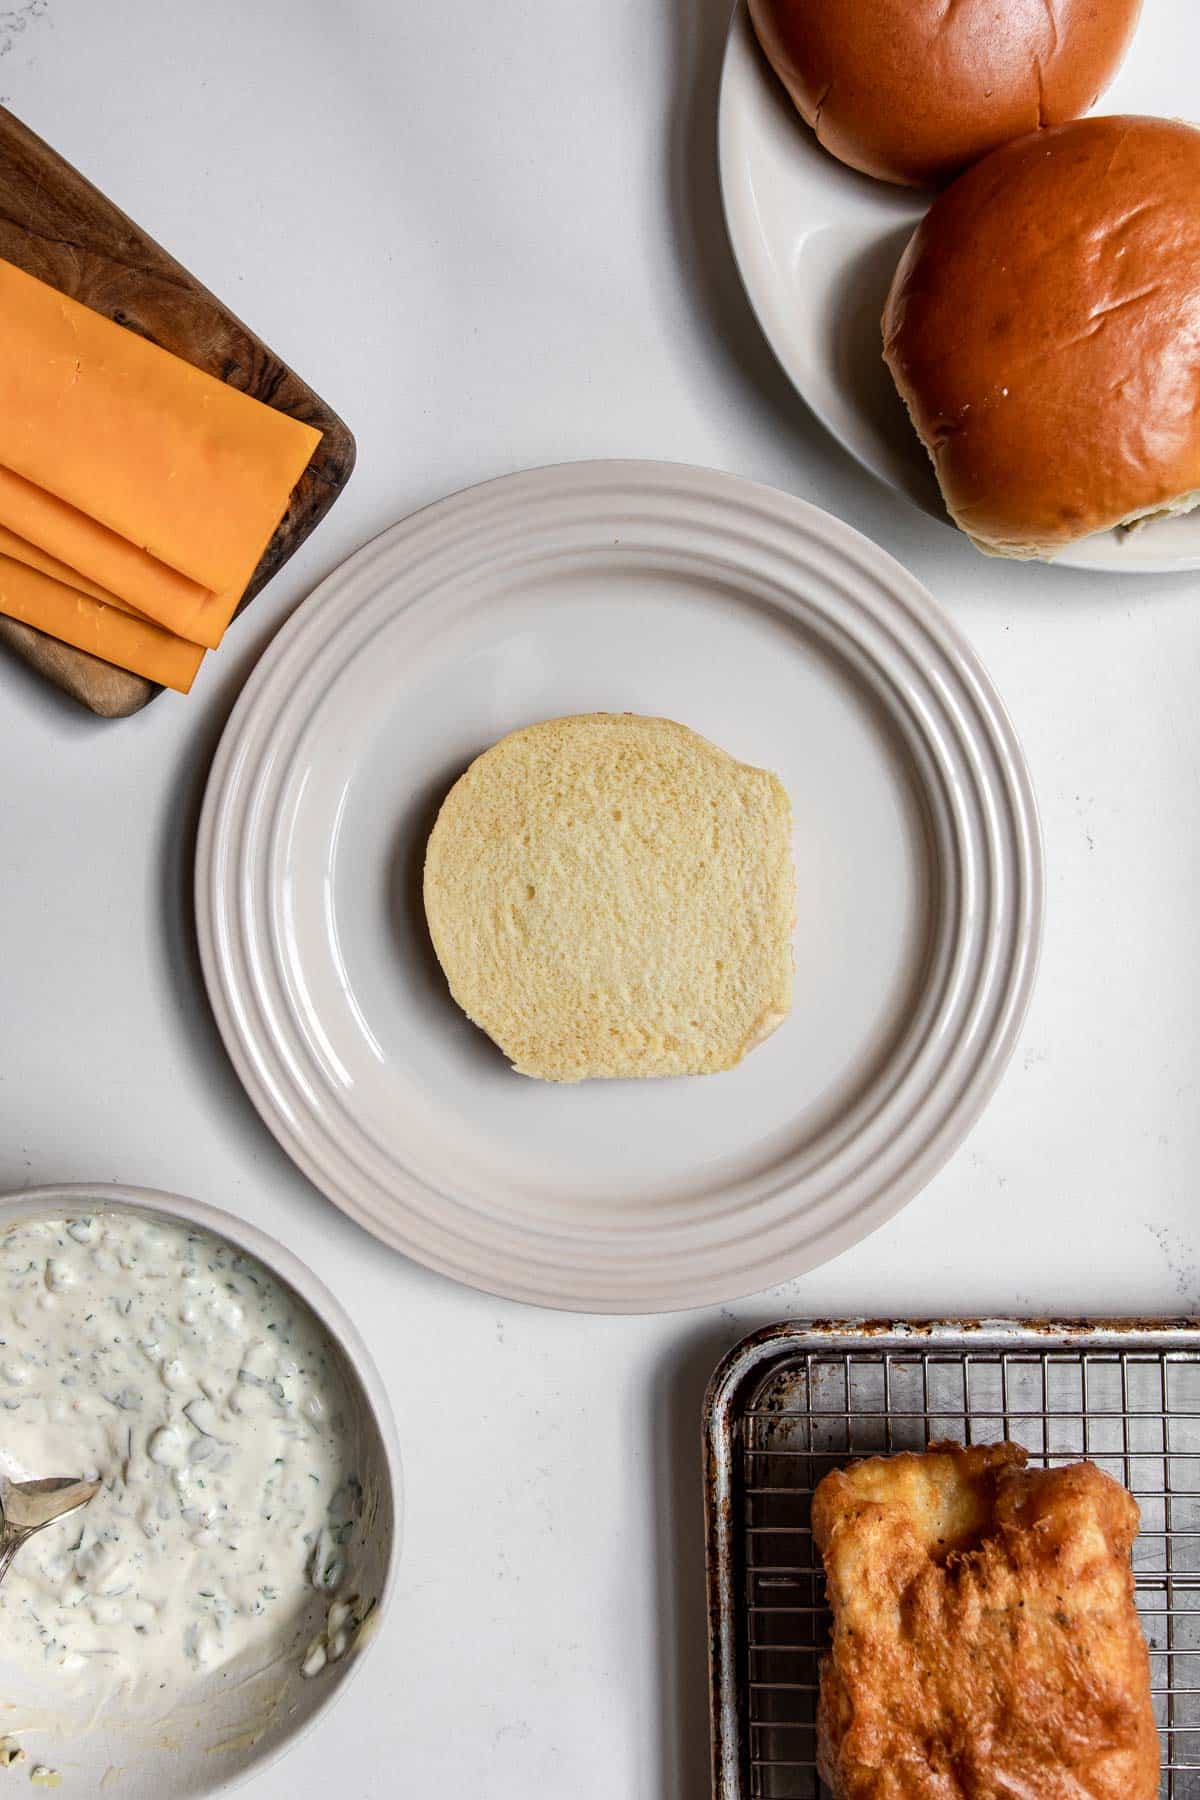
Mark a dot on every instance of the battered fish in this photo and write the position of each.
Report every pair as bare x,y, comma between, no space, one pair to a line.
985,1642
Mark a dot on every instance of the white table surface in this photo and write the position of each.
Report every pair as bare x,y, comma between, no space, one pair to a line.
490,236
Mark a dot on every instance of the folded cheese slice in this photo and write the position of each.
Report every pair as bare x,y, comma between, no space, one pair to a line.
182,466
114,636
108,561
33,558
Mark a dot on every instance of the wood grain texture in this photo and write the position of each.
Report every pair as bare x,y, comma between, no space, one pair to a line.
57,226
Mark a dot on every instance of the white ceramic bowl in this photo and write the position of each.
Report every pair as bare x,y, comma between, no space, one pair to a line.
204,1745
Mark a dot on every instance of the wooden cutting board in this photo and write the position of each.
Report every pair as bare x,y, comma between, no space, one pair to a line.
60,228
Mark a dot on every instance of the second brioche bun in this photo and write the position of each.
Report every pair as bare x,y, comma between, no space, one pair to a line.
1043,328
914,90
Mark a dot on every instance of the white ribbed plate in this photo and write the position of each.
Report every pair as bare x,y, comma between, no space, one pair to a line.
793,643
817,245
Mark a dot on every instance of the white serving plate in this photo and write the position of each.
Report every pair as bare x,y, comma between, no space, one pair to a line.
216,1737
789,640
817,244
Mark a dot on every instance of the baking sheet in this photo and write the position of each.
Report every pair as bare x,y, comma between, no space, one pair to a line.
797,1399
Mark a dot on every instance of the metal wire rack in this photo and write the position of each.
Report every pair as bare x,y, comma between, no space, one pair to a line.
794,1401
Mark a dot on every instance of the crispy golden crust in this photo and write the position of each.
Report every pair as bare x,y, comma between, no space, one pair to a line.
1043,329
915,90
985,1641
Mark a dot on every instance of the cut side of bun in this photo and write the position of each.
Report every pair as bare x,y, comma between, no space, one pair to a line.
1043,330
611,895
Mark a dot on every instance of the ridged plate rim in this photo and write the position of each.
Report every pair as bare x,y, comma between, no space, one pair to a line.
990,852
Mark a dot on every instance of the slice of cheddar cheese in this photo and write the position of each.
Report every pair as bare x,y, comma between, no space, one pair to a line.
107,561
179,464
114,636
33,558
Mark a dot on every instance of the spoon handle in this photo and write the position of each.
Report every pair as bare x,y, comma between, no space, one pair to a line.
10,1543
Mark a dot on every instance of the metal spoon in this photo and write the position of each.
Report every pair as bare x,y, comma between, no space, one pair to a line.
28,1506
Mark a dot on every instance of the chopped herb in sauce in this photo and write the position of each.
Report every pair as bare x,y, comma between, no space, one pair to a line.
214,1423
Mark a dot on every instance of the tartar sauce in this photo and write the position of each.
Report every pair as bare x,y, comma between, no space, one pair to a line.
210,1403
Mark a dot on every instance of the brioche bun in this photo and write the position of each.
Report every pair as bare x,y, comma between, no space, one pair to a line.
915,90
1043,329
611,895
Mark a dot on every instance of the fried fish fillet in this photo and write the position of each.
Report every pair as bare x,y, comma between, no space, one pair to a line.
985,1641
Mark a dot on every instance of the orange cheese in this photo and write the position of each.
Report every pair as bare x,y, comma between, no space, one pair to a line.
107,561
179,464
114,636
33,558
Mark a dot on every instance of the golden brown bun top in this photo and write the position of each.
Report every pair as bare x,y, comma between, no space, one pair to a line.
915,90
1043,328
